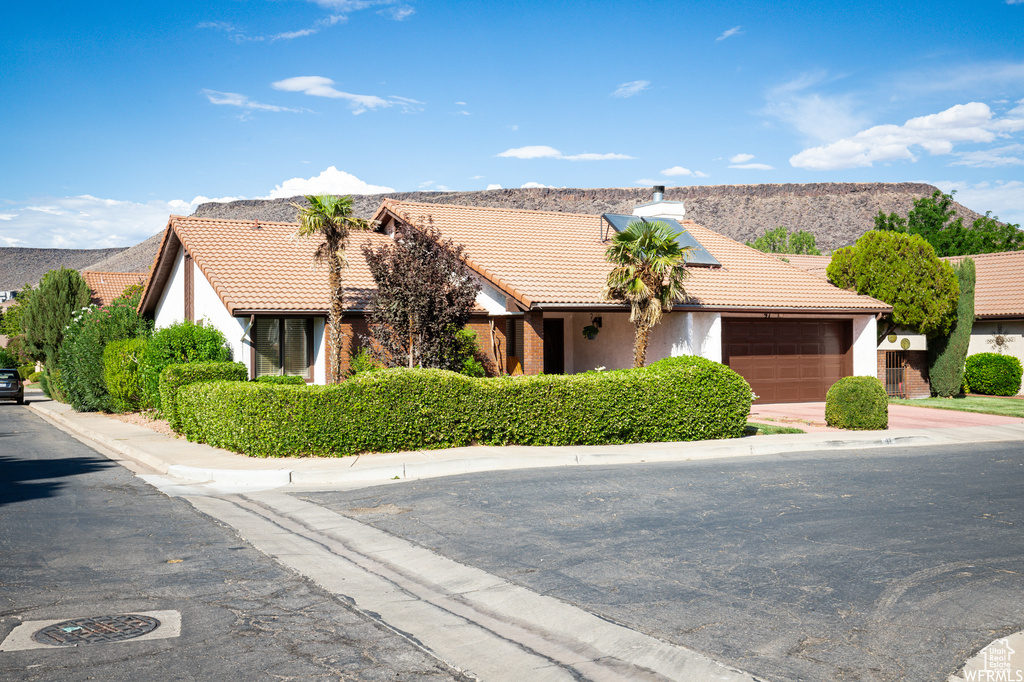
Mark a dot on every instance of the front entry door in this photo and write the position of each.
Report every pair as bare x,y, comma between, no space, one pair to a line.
554,346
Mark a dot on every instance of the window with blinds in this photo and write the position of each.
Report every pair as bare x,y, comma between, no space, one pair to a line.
283,346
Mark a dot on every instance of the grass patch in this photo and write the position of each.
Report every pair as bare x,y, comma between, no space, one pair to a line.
1006,407
755,429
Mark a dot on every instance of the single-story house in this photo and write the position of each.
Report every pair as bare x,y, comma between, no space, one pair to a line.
998,320
789,333
106,286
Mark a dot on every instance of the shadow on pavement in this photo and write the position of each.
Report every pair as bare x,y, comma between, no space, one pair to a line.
18,476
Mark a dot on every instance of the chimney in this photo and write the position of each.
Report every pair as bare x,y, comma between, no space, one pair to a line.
659,193
659,208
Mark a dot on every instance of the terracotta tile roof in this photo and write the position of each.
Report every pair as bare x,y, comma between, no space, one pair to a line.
106,286
813,264
999,291
260,266
542,257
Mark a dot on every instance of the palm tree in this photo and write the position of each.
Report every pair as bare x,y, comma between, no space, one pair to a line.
648,273
330,218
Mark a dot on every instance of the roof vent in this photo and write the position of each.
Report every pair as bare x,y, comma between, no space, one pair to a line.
659,193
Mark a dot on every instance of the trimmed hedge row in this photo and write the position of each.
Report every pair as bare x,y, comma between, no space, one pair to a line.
857,403
992,374
676,399
174,377
287,380
121,373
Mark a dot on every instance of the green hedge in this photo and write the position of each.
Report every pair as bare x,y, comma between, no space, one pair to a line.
281,380
174,377
25,370
857,403
992,374
401,409
121,374
179,343
34,377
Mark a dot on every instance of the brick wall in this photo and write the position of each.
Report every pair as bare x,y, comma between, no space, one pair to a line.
353,328
533,343
492,350
916,376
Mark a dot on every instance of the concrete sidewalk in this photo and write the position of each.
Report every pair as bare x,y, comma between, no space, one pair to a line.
196,463
811,417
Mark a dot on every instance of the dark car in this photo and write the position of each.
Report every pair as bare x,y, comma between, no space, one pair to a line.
11,387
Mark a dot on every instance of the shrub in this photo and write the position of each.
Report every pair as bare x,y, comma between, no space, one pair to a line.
363,361
25,370
679,399
8,360
34,377
857,403
469,354
285,380
52,385
174,377
121,374
81,352
993,374
946,354
179,343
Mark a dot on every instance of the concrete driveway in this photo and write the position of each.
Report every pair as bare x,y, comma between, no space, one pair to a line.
811,417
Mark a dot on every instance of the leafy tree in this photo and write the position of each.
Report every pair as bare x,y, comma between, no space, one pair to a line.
330,218
177,344
648,273
903,271
11,327
947,353
425,292
780,240
49,310
935,219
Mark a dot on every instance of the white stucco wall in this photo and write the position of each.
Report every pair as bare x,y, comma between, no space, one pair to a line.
865,348
491,299
320,350
171,307
983,337
678,334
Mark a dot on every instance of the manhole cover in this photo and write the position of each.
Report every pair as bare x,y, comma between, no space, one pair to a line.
96,630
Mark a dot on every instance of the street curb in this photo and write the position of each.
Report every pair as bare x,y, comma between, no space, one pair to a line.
352,470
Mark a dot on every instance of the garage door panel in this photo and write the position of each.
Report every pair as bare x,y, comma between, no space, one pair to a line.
788,360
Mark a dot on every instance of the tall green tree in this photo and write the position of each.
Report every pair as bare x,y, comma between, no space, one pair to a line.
935,219
780,240
648,272
48,312
947,353
903,271
10,326
425,292
330,219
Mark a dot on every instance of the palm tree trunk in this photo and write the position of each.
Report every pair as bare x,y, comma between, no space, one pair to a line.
643,335
337,337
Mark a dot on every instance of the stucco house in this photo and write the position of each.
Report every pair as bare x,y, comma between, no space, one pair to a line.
998,320
790,333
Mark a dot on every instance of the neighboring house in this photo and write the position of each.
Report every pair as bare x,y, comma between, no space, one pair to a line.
106,286
789,333
998,320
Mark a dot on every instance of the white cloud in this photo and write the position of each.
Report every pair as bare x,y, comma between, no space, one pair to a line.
494,186
935,133
992,158
318,86
679,170
815,115
977,77
291,35
513,127
734,31
740,158
331,181
399,13
631,88
752,166
535,185
236,100
545,152
7,216
10,241
1004,198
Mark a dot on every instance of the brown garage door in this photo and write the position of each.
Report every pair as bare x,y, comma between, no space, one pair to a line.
788,361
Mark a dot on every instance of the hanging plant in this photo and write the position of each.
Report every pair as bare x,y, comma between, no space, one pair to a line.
590,331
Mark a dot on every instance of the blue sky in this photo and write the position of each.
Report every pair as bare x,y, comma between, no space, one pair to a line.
115,114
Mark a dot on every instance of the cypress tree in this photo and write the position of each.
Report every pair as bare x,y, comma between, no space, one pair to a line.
946,354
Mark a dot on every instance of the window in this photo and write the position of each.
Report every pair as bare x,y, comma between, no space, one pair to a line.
284,346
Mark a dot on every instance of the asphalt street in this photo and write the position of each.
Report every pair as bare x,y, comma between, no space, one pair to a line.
80,536
890,564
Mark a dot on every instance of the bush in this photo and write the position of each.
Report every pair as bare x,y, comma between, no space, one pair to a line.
179,343
25,370
946,354
992,374
857,403
284,380
8,360
34,377
363,361
469,354
53,387
685,398
174,377
121,374
81,352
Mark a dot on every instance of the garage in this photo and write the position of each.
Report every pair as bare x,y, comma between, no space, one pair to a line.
788,360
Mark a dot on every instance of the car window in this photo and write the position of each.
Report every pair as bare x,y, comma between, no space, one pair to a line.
8,375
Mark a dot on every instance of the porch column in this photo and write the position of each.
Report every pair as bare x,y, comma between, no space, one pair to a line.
533,342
